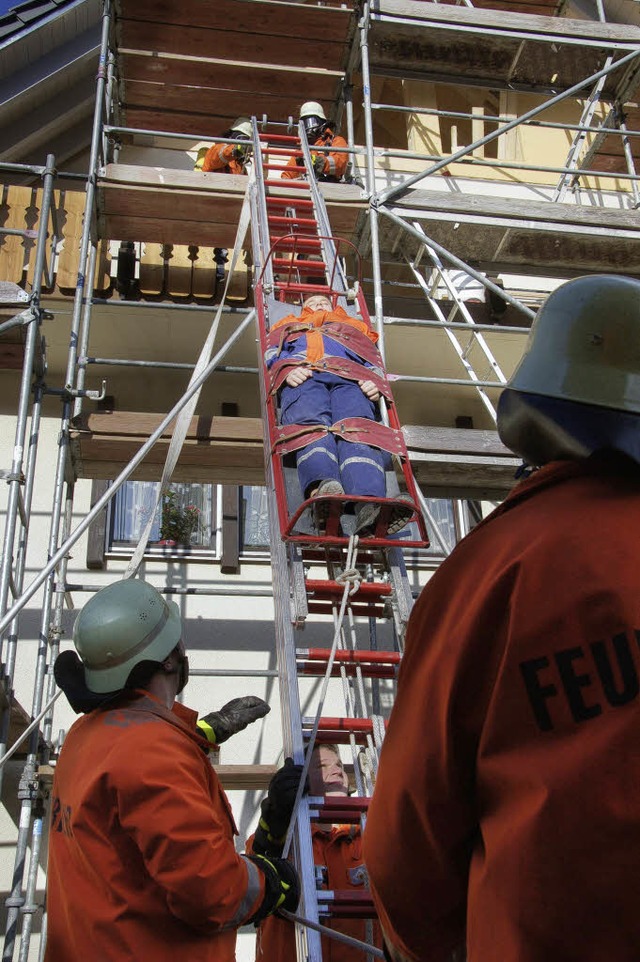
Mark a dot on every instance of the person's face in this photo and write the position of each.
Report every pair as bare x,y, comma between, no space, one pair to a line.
326,773
318,302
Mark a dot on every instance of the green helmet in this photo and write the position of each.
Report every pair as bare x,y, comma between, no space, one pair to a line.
122,625
577,387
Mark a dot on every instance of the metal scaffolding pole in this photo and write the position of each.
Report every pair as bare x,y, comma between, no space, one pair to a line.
22,477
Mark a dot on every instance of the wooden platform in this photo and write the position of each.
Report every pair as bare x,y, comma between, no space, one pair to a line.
193,67
230,451
165,206
460,463
494,48
216,450
521,236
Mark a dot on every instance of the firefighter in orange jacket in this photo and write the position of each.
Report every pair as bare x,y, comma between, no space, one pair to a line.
227,159
230,158
337,855
510,827
328,166
142,863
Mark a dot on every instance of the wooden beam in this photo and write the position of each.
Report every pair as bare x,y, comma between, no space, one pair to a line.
194,72
269,17
230,560
460,463
166,206
234,45
96,536
216,450
219,450
244,778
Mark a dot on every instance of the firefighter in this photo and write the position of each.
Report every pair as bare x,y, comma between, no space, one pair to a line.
142,863
227,159
510,829
337,855
328,166
320,355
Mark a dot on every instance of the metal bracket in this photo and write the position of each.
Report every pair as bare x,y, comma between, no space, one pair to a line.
68,393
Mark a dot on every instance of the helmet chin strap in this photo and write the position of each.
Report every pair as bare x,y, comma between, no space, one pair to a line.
183,673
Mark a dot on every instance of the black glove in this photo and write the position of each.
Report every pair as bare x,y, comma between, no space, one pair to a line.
300,161
217,726
239,153
277,809
318,164
282,886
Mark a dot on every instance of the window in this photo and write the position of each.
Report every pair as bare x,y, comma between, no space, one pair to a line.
254,519
442,516
230,522
185,519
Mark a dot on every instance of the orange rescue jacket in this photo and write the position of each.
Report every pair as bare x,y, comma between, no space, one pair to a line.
220,158
335,164
142,863
506,812
340,852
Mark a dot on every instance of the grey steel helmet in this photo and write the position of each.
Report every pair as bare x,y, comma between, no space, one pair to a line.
122,625
577,387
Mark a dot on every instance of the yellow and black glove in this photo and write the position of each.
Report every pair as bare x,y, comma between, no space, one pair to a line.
276,809
318,164
282,886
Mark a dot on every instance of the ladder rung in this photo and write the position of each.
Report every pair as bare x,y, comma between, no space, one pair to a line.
309,267
339,730
293,244
359,655
290,181
283,152
296,288
329,589
303,202
279,138
340,808
287,181
367,671
308,223
346,903
344,724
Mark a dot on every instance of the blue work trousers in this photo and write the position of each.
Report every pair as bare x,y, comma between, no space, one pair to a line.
324,399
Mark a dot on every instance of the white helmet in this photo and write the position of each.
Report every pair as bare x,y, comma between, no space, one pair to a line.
577,387
242,126
312,109
313,119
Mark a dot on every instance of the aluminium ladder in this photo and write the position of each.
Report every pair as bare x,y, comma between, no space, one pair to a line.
294,256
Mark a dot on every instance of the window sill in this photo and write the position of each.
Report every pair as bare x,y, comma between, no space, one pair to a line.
158,552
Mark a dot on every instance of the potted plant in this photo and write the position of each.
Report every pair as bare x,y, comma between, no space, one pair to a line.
178,521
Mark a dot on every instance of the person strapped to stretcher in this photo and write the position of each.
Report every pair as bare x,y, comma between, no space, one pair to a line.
316,360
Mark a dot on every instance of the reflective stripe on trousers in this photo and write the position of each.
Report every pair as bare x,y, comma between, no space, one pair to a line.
324,399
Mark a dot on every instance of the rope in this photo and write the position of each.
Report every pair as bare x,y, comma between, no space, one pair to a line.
332,934
183,420
350,576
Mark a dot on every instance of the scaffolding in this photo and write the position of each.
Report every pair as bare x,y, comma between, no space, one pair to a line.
437,192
